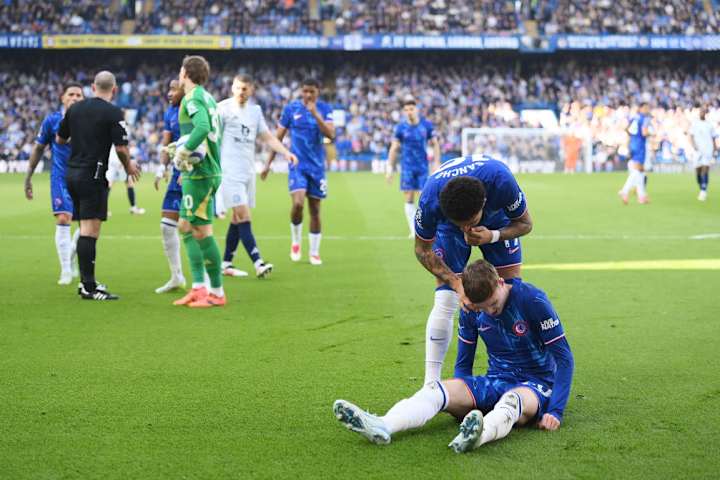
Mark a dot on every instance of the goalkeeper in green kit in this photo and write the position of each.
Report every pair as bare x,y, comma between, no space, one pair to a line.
200,125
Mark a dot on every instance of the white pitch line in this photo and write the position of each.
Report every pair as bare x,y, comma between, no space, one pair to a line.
383,238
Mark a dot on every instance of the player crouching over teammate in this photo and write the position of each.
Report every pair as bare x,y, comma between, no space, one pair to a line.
529,373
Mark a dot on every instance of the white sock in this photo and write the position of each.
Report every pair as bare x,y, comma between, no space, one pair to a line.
63,244
219,291
498,423
410,209
629,183
640,184
171,245
438,333
415,411
296,233
315,243
206,277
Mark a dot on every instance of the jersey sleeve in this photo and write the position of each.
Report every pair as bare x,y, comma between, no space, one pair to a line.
45,135
430,129
64,129
565,364
167,121
467,344
118,130
286,117
513,198
262,125
198,114
397,134
327,112
546,319
426,217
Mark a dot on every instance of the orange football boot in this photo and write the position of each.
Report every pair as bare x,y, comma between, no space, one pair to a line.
194,295
208,301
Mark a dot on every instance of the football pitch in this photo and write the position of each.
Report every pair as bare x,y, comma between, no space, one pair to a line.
140,389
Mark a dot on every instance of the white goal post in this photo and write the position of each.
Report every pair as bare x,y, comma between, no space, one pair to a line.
532,150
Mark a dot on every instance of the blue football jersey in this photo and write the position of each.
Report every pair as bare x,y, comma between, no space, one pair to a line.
525,342
172,124
60,153
414,139
504,198
637,140
305,136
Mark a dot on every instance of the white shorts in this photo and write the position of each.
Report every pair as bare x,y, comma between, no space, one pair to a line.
704,160
116,172
236,193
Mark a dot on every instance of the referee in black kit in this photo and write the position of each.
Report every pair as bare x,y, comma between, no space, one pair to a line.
92,126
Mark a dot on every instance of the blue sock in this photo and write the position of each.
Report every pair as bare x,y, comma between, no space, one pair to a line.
248,241
699,176
705,181
131,196
232,241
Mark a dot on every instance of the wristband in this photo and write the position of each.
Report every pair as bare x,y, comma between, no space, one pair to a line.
495,236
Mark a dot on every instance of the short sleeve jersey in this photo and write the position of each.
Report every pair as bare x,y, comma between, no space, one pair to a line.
193,103
504,198
517,338
93,125
60,153
637,124
240,128
414,139
305,136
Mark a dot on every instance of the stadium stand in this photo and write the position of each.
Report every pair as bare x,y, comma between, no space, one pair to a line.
473,91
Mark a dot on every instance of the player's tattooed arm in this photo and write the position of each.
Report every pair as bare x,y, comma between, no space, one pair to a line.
435,265
35,157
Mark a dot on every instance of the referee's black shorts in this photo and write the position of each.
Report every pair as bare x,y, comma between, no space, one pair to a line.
90,198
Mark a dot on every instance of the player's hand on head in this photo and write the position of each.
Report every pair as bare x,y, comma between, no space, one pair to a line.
549,422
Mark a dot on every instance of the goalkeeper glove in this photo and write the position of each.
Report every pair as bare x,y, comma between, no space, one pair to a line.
181,160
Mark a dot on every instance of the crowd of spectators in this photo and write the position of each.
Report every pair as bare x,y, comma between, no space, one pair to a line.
58,16
261,17
589,96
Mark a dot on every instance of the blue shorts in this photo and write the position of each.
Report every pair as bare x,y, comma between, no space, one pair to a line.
314,183
487,390
60,197
638,156
173,195
451,247
412,180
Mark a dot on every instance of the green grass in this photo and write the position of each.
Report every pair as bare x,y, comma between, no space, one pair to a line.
140,389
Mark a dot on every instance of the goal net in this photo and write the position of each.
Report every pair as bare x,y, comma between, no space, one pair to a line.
532,150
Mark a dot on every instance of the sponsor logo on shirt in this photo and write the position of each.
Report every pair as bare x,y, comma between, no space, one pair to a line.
514,206
297,116
549,323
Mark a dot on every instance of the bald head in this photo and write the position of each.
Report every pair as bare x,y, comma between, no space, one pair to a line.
104,82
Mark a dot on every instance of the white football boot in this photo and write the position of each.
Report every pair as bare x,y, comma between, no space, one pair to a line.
470,431
358,420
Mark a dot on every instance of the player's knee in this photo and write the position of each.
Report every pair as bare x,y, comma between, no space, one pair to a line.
241,214
459,399
508,273
524,400
171,215
63,219
446,301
